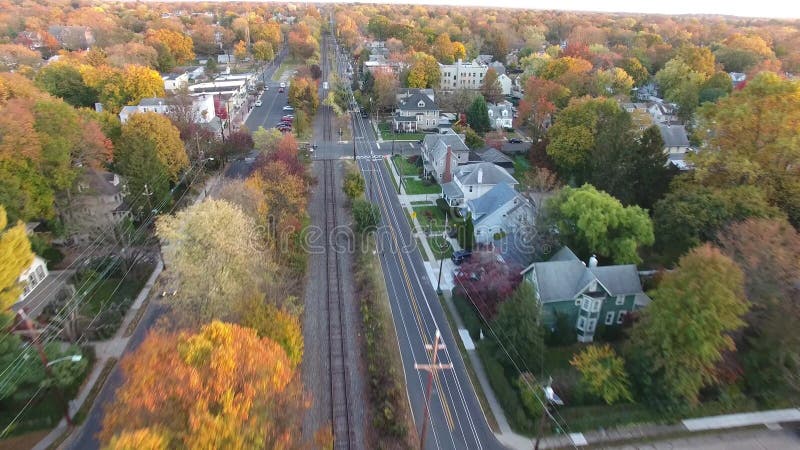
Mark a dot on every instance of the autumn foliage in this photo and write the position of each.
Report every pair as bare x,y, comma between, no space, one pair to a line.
223,387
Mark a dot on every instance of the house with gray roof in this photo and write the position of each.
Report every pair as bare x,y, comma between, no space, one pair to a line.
676,145
588,296
438,148
415,112
471,181
501,115
96,205
500,211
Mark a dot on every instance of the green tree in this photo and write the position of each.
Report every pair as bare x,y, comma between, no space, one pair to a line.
519,327
636,70
150,154
573,137
683,334
603,373
691,214
366,215
466,234
424,71
353,185
64,80
752,140
591,221
59,131
478,115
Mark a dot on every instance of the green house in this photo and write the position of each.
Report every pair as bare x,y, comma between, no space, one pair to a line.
587,295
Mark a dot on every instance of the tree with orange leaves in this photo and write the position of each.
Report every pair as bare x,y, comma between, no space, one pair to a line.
223,387
179,45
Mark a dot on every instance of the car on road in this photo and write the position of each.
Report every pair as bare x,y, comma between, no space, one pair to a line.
515,141
266,88
280,90
288,108
364,114
460,256
258,103
283,85
288,118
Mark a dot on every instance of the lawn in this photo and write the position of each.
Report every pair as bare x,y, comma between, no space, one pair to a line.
415,187
521,165
430,217
387,135
287,64
404,167
441,247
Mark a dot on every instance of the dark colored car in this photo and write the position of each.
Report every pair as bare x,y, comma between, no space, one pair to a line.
364,114
515,141
460,256
280,90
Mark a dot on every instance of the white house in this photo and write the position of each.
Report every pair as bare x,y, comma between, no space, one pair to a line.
416,112
438,148
506,83
462,75
202,106
662,112
501,115
32,276
175,82
502,210
471,181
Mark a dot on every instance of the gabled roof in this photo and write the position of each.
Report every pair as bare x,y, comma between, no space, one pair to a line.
674,135
495,156
152,101
455,141
489,202
413,102
483,173
565,276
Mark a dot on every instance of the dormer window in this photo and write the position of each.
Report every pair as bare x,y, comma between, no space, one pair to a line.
420,104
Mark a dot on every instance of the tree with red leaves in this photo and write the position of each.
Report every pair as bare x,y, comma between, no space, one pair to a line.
486,281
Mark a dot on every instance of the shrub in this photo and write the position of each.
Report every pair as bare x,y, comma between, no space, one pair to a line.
506,395
366,215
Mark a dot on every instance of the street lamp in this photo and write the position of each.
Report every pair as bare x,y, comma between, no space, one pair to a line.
71,358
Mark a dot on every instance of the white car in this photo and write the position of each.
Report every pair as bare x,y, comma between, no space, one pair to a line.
288,108
258,103
283,85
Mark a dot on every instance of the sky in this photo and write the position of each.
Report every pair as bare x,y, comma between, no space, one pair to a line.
749,8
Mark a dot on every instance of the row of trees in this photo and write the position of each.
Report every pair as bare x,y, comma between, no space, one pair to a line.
230,378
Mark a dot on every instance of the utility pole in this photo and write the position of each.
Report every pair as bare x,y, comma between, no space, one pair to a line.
147,193
431,368
36,341
441,261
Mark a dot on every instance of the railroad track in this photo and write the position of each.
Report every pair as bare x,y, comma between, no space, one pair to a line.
340,407
327,113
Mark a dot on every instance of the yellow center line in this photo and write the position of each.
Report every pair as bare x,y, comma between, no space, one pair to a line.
442,398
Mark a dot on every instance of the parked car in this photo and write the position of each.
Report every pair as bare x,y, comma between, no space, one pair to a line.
364,114
258,103
288,108
515,141
280,90
283,85
460,256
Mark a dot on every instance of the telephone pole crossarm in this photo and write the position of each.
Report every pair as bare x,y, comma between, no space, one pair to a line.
431,368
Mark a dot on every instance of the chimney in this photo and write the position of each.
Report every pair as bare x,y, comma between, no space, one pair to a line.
480,175
593,261
447,176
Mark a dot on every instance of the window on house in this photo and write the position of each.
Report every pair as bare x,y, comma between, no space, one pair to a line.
610,318
587,304
581,323
577,302
621,316
40,272
592,325
620,300
470,188
596,305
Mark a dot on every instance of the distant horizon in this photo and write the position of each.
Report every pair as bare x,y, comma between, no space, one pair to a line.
766,9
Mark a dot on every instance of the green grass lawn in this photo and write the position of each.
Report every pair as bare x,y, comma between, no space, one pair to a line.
287,64
404,167
101,295
441,247
414,187
430,217
521,165
387,135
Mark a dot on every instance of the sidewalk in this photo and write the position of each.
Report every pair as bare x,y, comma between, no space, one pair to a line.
114,347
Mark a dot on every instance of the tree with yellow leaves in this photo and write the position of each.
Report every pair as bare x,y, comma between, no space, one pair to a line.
140,82
603,373
15,257
223,387
180,45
